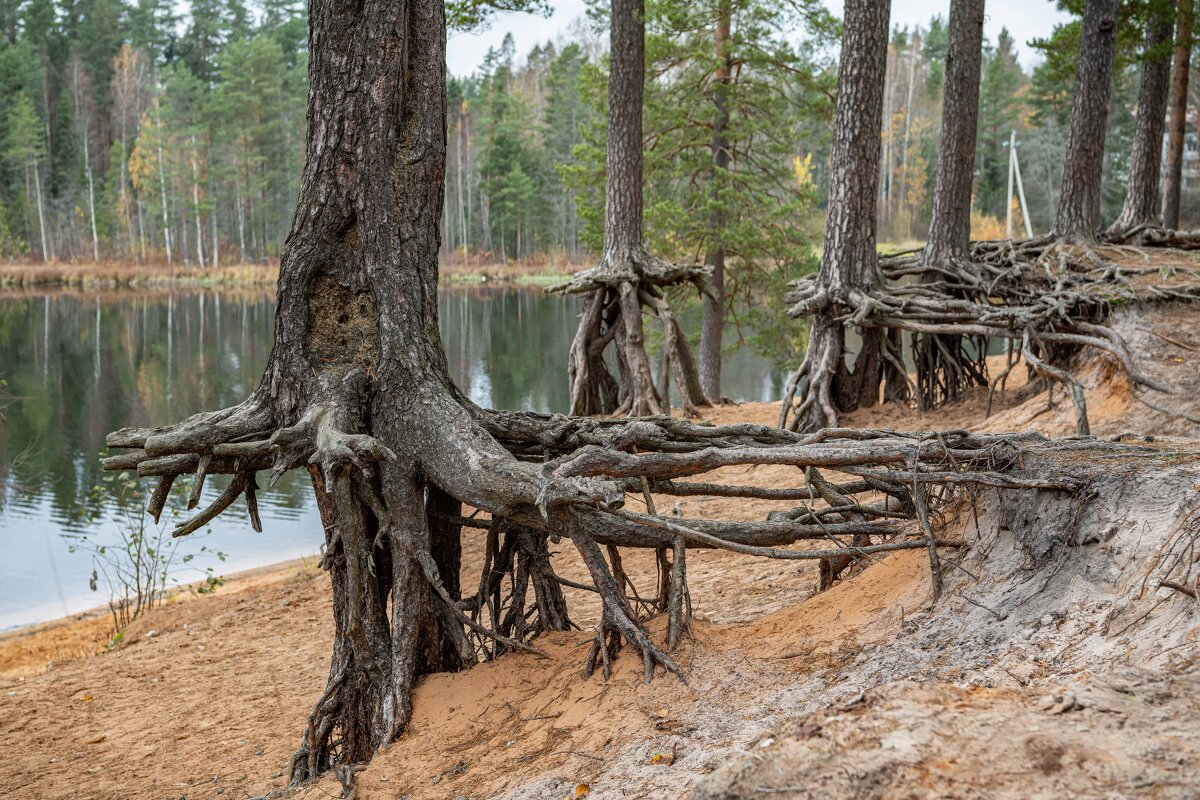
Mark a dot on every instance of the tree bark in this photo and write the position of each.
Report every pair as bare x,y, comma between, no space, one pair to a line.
714,305
626,90
1181,71
942,365
1078,215
357,390
950,230
1141,204
826,382
47,256
628,276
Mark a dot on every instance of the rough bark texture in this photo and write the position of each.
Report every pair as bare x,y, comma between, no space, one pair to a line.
356,388
1078,216
626,90
944,368
628,277
714,305
950,229
826,383
1181,71
1141,205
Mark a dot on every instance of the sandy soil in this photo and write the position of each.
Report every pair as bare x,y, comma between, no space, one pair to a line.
861,691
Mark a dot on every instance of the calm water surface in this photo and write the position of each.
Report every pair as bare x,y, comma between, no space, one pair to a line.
82,365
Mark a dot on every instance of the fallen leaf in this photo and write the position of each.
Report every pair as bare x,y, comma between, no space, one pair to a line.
582,791
87,698
663,713
663,759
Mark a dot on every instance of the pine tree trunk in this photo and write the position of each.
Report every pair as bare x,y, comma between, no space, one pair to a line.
1078,215
357,339
1181,71
458,180
827,382
941,360
714,306
1141,205
627,277
902,195
623,188
357,390
950,229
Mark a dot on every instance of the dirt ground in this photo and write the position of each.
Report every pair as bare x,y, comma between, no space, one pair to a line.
1053,667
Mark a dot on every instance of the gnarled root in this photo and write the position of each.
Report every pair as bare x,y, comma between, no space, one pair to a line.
393,522
1045,291
617,621
811,402
617,290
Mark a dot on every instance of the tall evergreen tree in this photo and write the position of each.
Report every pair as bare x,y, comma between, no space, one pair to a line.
1141,206
1180,75
1079,203
827,382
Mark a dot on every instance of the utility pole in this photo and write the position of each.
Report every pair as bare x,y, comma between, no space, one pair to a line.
1008,196
1014,172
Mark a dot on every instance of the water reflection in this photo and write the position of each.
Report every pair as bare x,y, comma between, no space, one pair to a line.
81,365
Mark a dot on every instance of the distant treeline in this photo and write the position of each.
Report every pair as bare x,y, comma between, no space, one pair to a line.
132,132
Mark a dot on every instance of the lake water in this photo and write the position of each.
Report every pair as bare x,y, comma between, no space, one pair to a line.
80,365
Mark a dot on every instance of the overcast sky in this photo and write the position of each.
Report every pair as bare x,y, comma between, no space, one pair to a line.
1025,19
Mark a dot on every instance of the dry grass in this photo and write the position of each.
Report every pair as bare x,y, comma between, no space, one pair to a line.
483,267
116,274
123,274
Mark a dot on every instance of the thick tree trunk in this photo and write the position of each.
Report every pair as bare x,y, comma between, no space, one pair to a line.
950,230
627,276
1181,71
1141,205
714,306
1078,215
826,382
357,390
356,339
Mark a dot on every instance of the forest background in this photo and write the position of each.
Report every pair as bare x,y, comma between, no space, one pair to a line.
132,132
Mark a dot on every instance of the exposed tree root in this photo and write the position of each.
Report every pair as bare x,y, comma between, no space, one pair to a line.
618,290
393,547
1151,235
1047,297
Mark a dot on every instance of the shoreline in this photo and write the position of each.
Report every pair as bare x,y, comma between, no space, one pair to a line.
29,649
118,276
